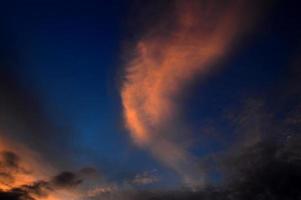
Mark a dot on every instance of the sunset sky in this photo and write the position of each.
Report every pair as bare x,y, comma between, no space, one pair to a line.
117,99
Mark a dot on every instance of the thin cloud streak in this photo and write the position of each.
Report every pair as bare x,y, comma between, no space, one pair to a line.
201,34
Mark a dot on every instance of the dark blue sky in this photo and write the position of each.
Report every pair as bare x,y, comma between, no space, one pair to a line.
69,55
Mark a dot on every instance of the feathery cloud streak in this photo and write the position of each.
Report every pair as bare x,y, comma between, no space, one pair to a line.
200,34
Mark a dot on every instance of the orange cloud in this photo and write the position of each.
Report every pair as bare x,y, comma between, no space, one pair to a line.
201,34
25,171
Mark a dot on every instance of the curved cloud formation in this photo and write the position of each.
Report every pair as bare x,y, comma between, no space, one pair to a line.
200,34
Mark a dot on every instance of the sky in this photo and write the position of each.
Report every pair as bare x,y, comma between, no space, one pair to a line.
129,99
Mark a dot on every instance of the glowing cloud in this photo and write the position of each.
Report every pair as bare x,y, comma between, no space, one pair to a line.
16,170
200,34
24,175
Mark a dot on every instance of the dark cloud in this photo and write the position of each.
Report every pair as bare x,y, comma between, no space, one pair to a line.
10,167
265,171
14,195
26,192
9,160
33,191
66,180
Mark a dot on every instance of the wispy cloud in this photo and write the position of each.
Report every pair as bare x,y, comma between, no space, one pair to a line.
200,34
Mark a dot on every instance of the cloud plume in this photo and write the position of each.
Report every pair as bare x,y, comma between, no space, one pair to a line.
200,33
